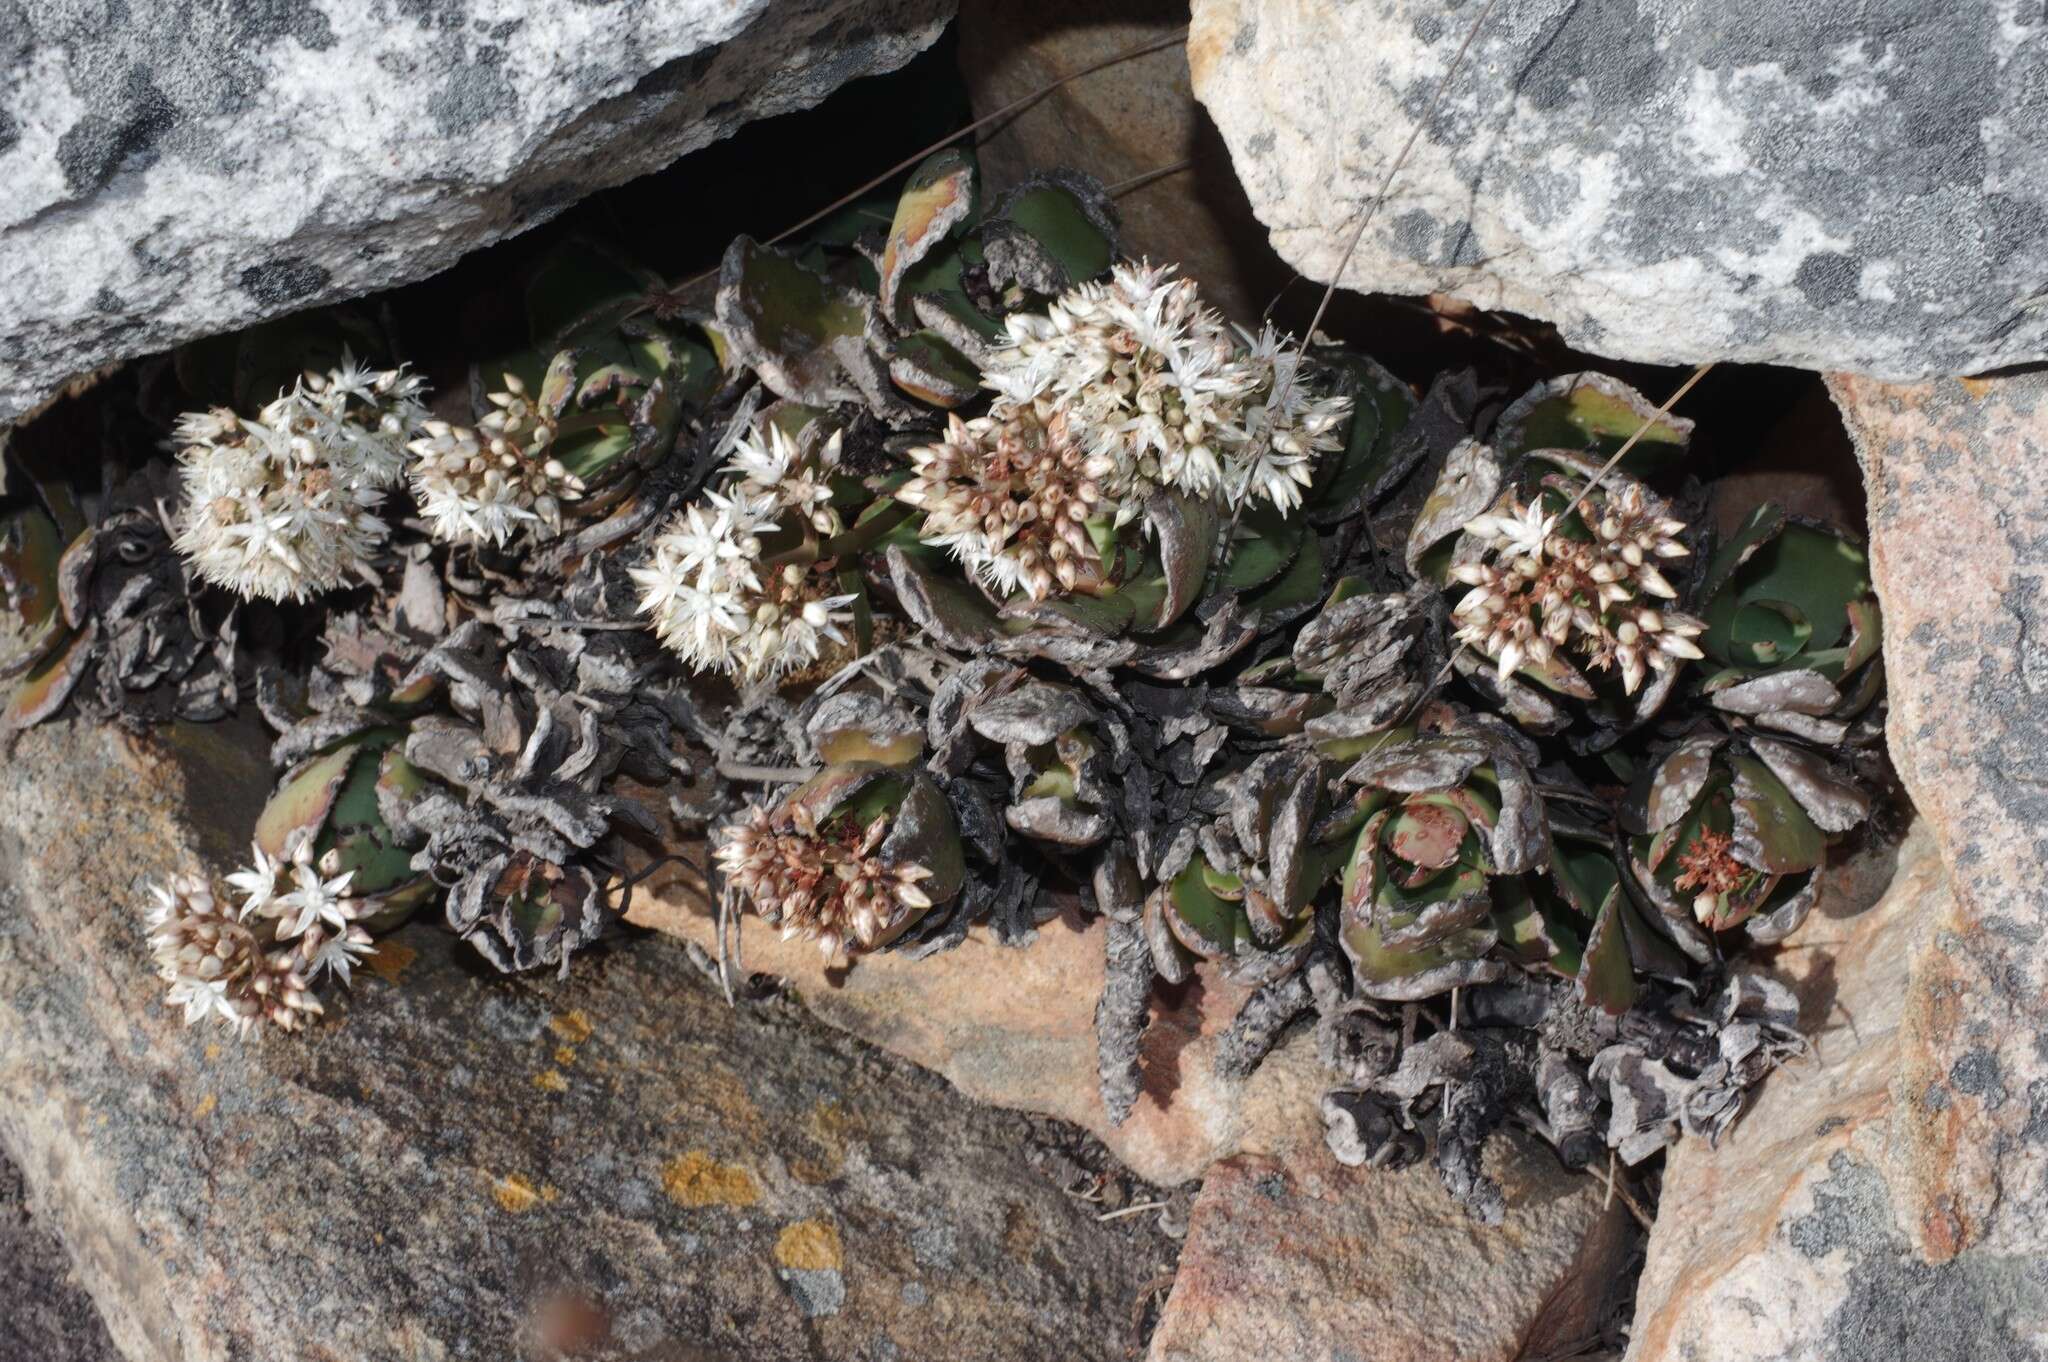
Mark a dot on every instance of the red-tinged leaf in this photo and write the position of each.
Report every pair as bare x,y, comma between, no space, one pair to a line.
50,682
1606,977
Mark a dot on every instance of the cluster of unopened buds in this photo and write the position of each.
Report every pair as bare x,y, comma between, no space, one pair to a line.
1537,589
827,884
709,591
1010,494
283,505
487,483
1117,390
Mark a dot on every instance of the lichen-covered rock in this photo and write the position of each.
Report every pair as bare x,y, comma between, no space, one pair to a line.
1958,479
1825,1225
1298,1258
178,170
1832,185
456,1164
1290,1254
1016,1028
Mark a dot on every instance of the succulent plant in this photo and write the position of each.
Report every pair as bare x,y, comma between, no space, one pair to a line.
1240,891
1059,765
34,644
345,809
576,420
522,911
1577,919
952,569
851,859
1439,817
1571,582
1792,627
1361,665
1729,832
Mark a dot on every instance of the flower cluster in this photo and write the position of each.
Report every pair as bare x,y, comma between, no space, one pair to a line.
715,593
1287,426
217,966
1155,383
308,903
1539,589
823,882
282,505
257,962
488,483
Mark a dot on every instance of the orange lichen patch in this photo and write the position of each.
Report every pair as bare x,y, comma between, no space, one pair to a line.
206,1106
212,1051
565,1055
572,1026
830,1128
697,1179
725,1092
515,1194
551,1080
810,1246
390,960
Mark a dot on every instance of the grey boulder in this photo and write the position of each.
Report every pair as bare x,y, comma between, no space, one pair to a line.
175,169
1844,184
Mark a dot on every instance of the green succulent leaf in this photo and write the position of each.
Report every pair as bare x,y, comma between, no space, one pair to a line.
925,365
1792,591
955,614
1381,406
1593,414
1184,528
1300,586
49,683
1395,974
1585,874
1270,545
804,334
30,621
355,826
1201,919
1765,633
1769,824
1761,526
1049,233
1106,616
305,798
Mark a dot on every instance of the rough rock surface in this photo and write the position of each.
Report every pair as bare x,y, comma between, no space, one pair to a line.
1836,185
1120,125
49,1316
1824,1226
1016,1028
1299,1258
1958,481
1289,1254
180,169
455,1165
